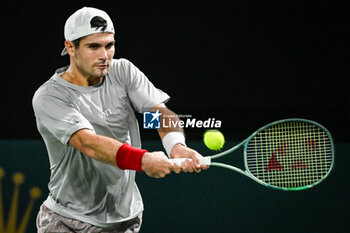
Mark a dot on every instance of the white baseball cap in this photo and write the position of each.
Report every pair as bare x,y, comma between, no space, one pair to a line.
79,24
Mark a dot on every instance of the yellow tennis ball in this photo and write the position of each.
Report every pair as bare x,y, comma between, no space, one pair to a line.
214,139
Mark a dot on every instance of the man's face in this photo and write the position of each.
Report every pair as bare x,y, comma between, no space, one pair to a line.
94,54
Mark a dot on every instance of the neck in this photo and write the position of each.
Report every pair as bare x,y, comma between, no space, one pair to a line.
78,78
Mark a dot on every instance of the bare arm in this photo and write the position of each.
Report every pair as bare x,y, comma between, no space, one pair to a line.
101,148
170,116
105,149
179,150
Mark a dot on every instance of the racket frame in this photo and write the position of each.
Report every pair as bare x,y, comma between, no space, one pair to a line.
246,142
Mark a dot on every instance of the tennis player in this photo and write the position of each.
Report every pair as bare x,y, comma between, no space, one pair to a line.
86,115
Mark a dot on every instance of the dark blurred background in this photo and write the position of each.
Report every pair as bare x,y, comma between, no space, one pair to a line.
245,63
242,62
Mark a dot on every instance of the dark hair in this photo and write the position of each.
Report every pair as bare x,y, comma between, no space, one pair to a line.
77,42
96,22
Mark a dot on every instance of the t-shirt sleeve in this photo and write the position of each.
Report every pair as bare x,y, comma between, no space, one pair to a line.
142,93
59,117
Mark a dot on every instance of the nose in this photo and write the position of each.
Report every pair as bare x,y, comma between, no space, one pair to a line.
103,54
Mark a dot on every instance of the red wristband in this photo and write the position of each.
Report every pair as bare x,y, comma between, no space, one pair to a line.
129,157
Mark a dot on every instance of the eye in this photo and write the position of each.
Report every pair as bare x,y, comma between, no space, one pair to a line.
110,45
94,46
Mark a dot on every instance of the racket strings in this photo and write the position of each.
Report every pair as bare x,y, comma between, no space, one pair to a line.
290,155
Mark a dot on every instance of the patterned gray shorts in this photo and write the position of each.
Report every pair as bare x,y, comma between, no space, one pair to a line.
49,222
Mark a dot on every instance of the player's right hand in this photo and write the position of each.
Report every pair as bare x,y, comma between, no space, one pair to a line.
157,165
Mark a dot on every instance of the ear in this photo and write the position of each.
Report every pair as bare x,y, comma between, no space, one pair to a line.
70,47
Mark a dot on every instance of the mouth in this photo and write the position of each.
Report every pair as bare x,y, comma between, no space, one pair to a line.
102,66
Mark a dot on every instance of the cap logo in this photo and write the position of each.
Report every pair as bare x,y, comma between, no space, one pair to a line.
98,22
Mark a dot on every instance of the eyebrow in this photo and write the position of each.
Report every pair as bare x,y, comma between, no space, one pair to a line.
98,44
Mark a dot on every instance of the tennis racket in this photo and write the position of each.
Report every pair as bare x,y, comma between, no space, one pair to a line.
290,154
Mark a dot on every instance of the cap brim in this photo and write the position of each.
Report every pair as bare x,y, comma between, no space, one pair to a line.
64,52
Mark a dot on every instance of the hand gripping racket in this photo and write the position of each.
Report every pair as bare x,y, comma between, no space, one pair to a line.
291,154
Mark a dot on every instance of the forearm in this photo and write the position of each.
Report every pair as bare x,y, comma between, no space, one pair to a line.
172,120
111,151
173,133
98,147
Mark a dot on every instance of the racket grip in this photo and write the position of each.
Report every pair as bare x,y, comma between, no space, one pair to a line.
203,160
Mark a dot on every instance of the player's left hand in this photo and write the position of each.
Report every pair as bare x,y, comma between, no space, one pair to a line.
180,151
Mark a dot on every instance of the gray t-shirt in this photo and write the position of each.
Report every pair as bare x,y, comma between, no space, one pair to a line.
80,187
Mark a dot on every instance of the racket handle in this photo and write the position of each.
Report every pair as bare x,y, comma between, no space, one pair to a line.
203,160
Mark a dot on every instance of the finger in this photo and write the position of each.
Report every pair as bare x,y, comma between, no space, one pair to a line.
196,161
196,167
190,166
158,176
175,168
186,166
169,169
163,173
198,170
